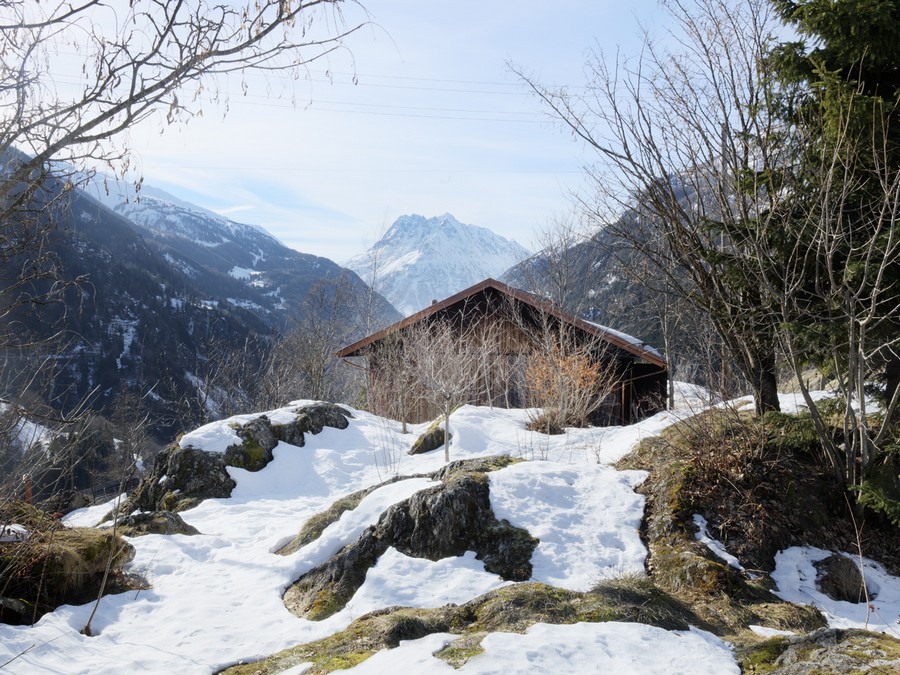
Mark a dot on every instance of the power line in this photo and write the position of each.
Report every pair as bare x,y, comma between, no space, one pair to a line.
319,169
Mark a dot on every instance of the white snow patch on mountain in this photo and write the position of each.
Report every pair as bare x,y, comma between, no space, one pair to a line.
243,273
423,259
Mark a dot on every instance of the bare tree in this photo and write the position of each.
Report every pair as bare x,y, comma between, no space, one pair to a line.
302,364
843,263
140,58
446,362
774,194
691,148
393,387
436,365
557,271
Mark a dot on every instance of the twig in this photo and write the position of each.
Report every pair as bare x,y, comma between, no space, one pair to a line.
862,573
22,653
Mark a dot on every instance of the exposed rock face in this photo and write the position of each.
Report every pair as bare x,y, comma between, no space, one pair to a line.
832,650
839,578
155,522
313,418
430,440
183,477
445,520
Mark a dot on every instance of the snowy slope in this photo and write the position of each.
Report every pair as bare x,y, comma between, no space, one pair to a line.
423,259
216,597
235,264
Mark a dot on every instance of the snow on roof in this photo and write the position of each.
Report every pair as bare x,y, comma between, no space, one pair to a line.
625,337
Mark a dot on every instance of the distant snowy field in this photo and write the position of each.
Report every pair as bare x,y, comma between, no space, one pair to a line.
216,598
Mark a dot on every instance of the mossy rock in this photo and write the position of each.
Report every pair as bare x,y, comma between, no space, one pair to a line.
21,512
312,529
58,566
438,522
315,417
690,472
825,651
462,649
249,455
363,638
676,567
181,478
475,466
154,522
432,439
513,608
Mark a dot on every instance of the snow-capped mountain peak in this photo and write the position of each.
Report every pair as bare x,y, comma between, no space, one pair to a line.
422,259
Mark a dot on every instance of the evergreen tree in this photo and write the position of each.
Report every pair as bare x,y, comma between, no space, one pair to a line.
839,95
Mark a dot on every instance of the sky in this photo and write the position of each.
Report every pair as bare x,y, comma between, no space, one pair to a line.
436,123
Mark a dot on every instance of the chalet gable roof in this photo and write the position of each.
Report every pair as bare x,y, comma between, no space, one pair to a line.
621,340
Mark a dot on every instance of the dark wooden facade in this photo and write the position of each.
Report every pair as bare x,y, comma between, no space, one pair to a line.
513,318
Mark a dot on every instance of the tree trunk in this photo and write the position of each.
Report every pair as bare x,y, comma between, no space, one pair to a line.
447,432
892,378
765,387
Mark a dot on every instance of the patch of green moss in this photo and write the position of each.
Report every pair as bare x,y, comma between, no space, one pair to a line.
787,616
633,598
314,527
186,504
431,439
169,501
518,606
322,659
250,456
378,630
868,647
173,501
761,657
461,650
326,603
60,565
512,608
474,468
858,651
256,456
675,567
23,513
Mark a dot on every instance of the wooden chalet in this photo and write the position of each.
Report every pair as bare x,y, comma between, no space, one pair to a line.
515,320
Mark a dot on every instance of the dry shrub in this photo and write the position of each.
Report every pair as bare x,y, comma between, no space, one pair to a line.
568,387
54,566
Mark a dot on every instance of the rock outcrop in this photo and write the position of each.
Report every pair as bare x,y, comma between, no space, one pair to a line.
438,522
838,577
154,522
432,439
182,477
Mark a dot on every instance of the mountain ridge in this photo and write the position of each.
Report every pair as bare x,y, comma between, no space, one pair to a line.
421,259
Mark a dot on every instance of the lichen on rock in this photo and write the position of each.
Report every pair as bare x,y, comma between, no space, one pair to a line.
432,439
182,477
438,522
154,522
839,578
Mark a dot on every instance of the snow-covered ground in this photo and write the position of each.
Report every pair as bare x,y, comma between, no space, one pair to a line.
795,576
216,598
